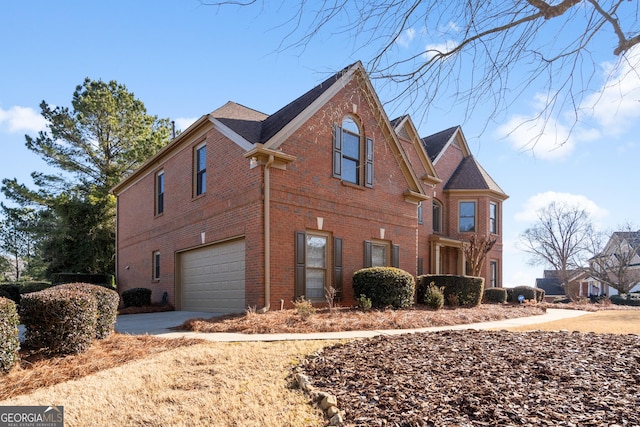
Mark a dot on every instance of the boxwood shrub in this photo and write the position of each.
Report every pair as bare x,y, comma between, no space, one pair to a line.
540,293
431,296
136,297
465,291
107,300
495,296
9,338
59,321
385,286
528,292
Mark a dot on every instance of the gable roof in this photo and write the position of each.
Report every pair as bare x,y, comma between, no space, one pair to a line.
469,175
434,144
245,121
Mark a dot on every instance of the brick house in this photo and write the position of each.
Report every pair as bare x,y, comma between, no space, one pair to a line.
248,209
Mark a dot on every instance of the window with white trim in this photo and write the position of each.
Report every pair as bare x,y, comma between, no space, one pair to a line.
493,218
350,152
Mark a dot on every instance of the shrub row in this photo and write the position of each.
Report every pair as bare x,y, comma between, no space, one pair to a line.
136,297
618,300
528,292
104,280
9,338
463,291
66,319
384,286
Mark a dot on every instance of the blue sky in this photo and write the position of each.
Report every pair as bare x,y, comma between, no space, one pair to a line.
184,60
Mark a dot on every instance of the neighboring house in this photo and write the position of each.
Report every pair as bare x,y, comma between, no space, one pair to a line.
619,261
551,284
248,209
580,285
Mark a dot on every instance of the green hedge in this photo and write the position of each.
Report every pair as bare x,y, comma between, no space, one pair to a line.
463,291
107,300
105,280
26,287
495,295
136,297
528,292
540,294
385,286
59,321
9,338
618,300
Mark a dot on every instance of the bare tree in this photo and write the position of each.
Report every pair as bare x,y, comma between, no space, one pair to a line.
475,251
559,239
617,263
485,53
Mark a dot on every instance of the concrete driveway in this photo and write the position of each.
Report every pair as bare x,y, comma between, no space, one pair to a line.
156,323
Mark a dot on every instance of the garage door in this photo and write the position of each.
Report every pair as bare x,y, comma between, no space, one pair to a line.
212,278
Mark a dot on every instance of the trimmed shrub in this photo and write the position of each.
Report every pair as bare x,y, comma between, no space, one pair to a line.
385,286
618,300
540,293
136,297
59,321
107,300
9,338
105,280
465,291
528,292
364,303
432,297
495,296
11,291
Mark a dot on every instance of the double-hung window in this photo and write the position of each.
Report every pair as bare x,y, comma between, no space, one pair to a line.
381,253
159,192
493,218
350,152
467,216
200,170
156,265
318,265
493,266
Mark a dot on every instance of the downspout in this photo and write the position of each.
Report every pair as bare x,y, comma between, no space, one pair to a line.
267,234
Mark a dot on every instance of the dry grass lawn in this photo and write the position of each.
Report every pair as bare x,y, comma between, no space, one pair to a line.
608,321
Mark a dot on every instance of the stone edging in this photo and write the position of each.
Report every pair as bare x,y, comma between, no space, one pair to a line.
328,402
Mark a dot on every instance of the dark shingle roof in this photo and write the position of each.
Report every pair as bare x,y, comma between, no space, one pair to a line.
257,127
632,238
434,144
397,120
469,175
551,287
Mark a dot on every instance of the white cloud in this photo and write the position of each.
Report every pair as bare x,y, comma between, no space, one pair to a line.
22,119
541,200
182,123
547,140
406,37
616,106
432,49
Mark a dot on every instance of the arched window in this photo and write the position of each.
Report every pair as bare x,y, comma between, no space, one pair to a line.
437,216
350,152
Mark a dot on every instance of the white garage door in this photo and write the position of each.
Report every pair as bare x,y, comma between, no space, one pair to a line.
213,278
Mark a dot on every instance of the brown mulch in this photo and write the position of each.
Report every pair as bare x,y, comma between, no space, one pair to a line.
483,378
352,319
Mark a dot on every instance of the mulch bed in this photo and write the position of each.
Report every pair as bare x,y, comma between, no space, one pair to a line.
484,378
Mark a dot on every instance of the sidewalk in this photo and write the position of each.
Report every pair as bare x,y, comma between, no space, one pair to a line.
158,330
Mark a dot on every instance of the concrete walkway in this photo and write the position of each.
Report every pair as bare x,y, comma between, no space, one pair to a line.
159,323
